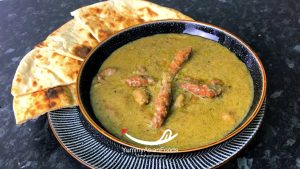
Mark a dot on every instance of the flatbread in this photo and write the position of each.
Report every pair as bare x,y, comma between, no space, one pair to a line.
148,11
42,69
45,78
106,18
70,40
31,106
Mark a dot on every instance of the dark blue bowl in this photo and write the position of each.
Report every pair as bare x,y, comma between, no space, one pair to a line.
219,35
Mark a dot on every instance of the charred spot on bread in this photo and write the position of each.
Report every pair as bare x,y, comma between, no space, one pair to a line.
38,56
82,50
19,79
53,93
96,10
54,55
51,104
34,83
41,44
103,34
149,11
90,36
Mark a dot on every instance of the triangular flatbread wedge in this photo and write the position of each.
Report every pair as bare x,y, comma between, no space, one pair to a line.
147,11
70,40
106,18
43,69
46,76
31,106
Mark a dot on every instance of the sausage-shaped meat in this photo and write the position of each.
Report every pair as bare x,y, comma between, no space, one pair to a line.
163,99
162,104
210,90
178,60
202,90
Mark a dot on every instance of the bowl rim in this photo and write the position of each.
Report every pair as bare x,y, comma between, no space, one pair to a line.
157,150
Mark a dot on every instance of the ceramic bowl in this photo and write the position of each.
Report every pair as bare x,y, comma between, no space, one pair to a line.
97,56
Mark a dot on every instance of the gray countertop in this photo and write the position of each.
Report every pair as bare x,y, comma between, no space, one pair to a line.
271,28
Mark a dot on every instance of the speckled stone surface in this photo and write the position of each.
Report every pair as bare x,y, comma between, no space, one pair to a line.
271,28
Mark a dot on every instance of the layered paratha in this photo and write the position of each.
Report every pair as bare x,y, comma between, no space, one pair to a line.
43,69
70,40
31,106
147,11
105,18
45,78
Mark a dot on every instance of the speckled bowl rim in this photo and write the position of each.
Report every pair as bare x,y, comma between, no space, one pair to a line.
233,133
